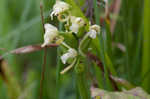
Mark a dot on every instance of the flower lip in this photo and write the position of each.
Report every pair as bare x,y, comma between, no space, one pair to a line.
70,54
77,22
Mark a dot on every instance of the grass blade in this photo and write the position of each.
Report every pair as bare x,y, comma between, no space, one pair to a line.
146,45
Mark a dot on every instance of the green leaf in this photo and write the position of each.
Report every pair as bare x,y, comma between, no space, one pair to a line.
75,10
81,80
99,76
110,65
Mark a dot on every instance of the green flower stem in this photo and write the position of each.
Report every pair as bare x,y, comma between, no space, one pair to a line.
62,32
67,32
68,67
64,44
81,43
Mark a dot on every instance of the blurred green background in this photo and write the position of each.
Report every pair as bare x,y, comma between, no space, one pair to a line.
20,25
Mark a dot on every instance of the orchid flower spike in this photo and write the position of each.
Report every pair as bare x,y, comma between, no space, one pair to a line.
72,53
59,8
51,32
77,23
93,31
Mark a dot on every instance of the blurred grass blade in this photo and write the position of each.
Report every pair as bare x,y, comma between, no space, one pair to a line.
108,48
96,12
99,76
13,86
75,10
102,50
22,20
137,64
110,65
59,67
108,39
146,45
81,80
82,86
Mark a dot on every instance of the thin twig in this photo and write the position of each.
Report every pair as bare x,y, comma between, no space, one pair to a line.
42,16
45,52
27,49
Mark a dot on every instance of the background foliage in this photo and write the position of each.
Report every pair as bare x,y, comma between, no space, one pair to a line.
20,25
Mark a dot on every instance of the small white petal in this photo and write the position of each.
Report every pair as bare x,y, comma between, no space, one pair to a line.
94,30
73,52
77,23
95,27
74,28
51,15
92,34
70,54
49,27
50,33
64,58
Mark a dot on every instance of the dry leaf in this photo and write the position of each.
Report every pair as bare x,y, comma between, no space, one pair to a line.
11,82
136,93
30,48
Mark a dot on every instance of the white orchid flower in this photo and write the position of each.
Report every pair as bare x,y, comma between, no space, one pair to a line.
77,23
72,53
50,33
93,31
59,8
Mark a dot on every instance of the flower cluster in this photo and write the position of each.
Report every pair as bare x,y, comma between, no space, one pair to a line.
62,11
